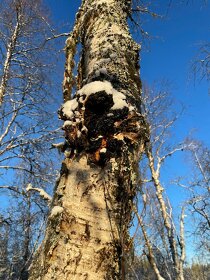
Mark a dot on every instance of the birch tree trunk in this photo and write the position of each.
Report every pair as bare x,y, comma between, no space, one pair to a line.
7,62
87,233
5,74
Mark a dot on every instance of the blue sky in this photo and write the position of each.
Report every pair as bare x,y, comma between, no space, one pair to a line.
178,36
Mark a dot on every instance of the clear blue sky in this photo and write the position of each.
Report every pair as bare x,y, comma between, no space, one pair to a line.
171,55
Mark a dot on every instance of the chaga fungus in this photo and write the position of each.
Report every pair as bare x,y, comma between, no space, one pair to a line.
99,121
96,109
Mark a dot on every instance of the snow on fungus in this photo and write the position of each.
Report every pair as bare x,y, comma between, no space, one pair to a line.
119,98
103,151
81,99
119,101
69,106
56,210
67,123
96,86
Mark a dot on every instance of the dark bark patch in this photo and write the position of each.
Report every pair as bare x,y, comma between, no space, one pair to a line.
64,168
82,175
114,146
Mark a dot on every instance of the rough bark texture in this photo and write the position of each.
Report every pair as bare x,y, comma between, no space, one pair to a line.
87,232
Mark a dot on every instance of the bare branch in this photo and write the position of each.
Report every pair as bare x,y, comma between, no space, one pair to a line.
41,192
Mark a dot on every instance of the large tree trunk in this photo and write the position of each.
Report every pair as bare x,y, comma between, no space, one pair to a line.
87,232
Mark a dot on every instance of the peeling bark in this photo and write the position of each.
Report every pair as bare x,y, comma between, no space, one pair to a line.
87,233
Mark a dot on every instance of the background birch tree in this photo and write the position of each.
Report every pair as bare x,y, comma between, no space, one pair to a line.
160,235
162,241
199,194
27,129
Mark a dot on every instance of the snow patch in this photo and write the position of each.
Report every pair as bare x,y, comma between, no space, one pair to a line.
41,192
97,138
69,106
132,108
58,145
119,101
56,210
84,129
119,98
45,195
67,123
29,187
103,151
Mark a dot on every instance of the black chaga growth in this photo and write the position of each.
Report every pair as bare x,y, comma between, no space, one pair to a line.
98,128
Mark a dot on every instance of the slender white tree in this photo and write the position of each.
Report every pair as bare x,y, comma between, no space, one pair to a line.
26,130
164,243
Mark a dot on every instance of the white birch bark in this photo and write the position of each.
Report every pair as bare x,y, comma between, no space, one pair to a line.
87,232
182,245
150,254
7,63
155,172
